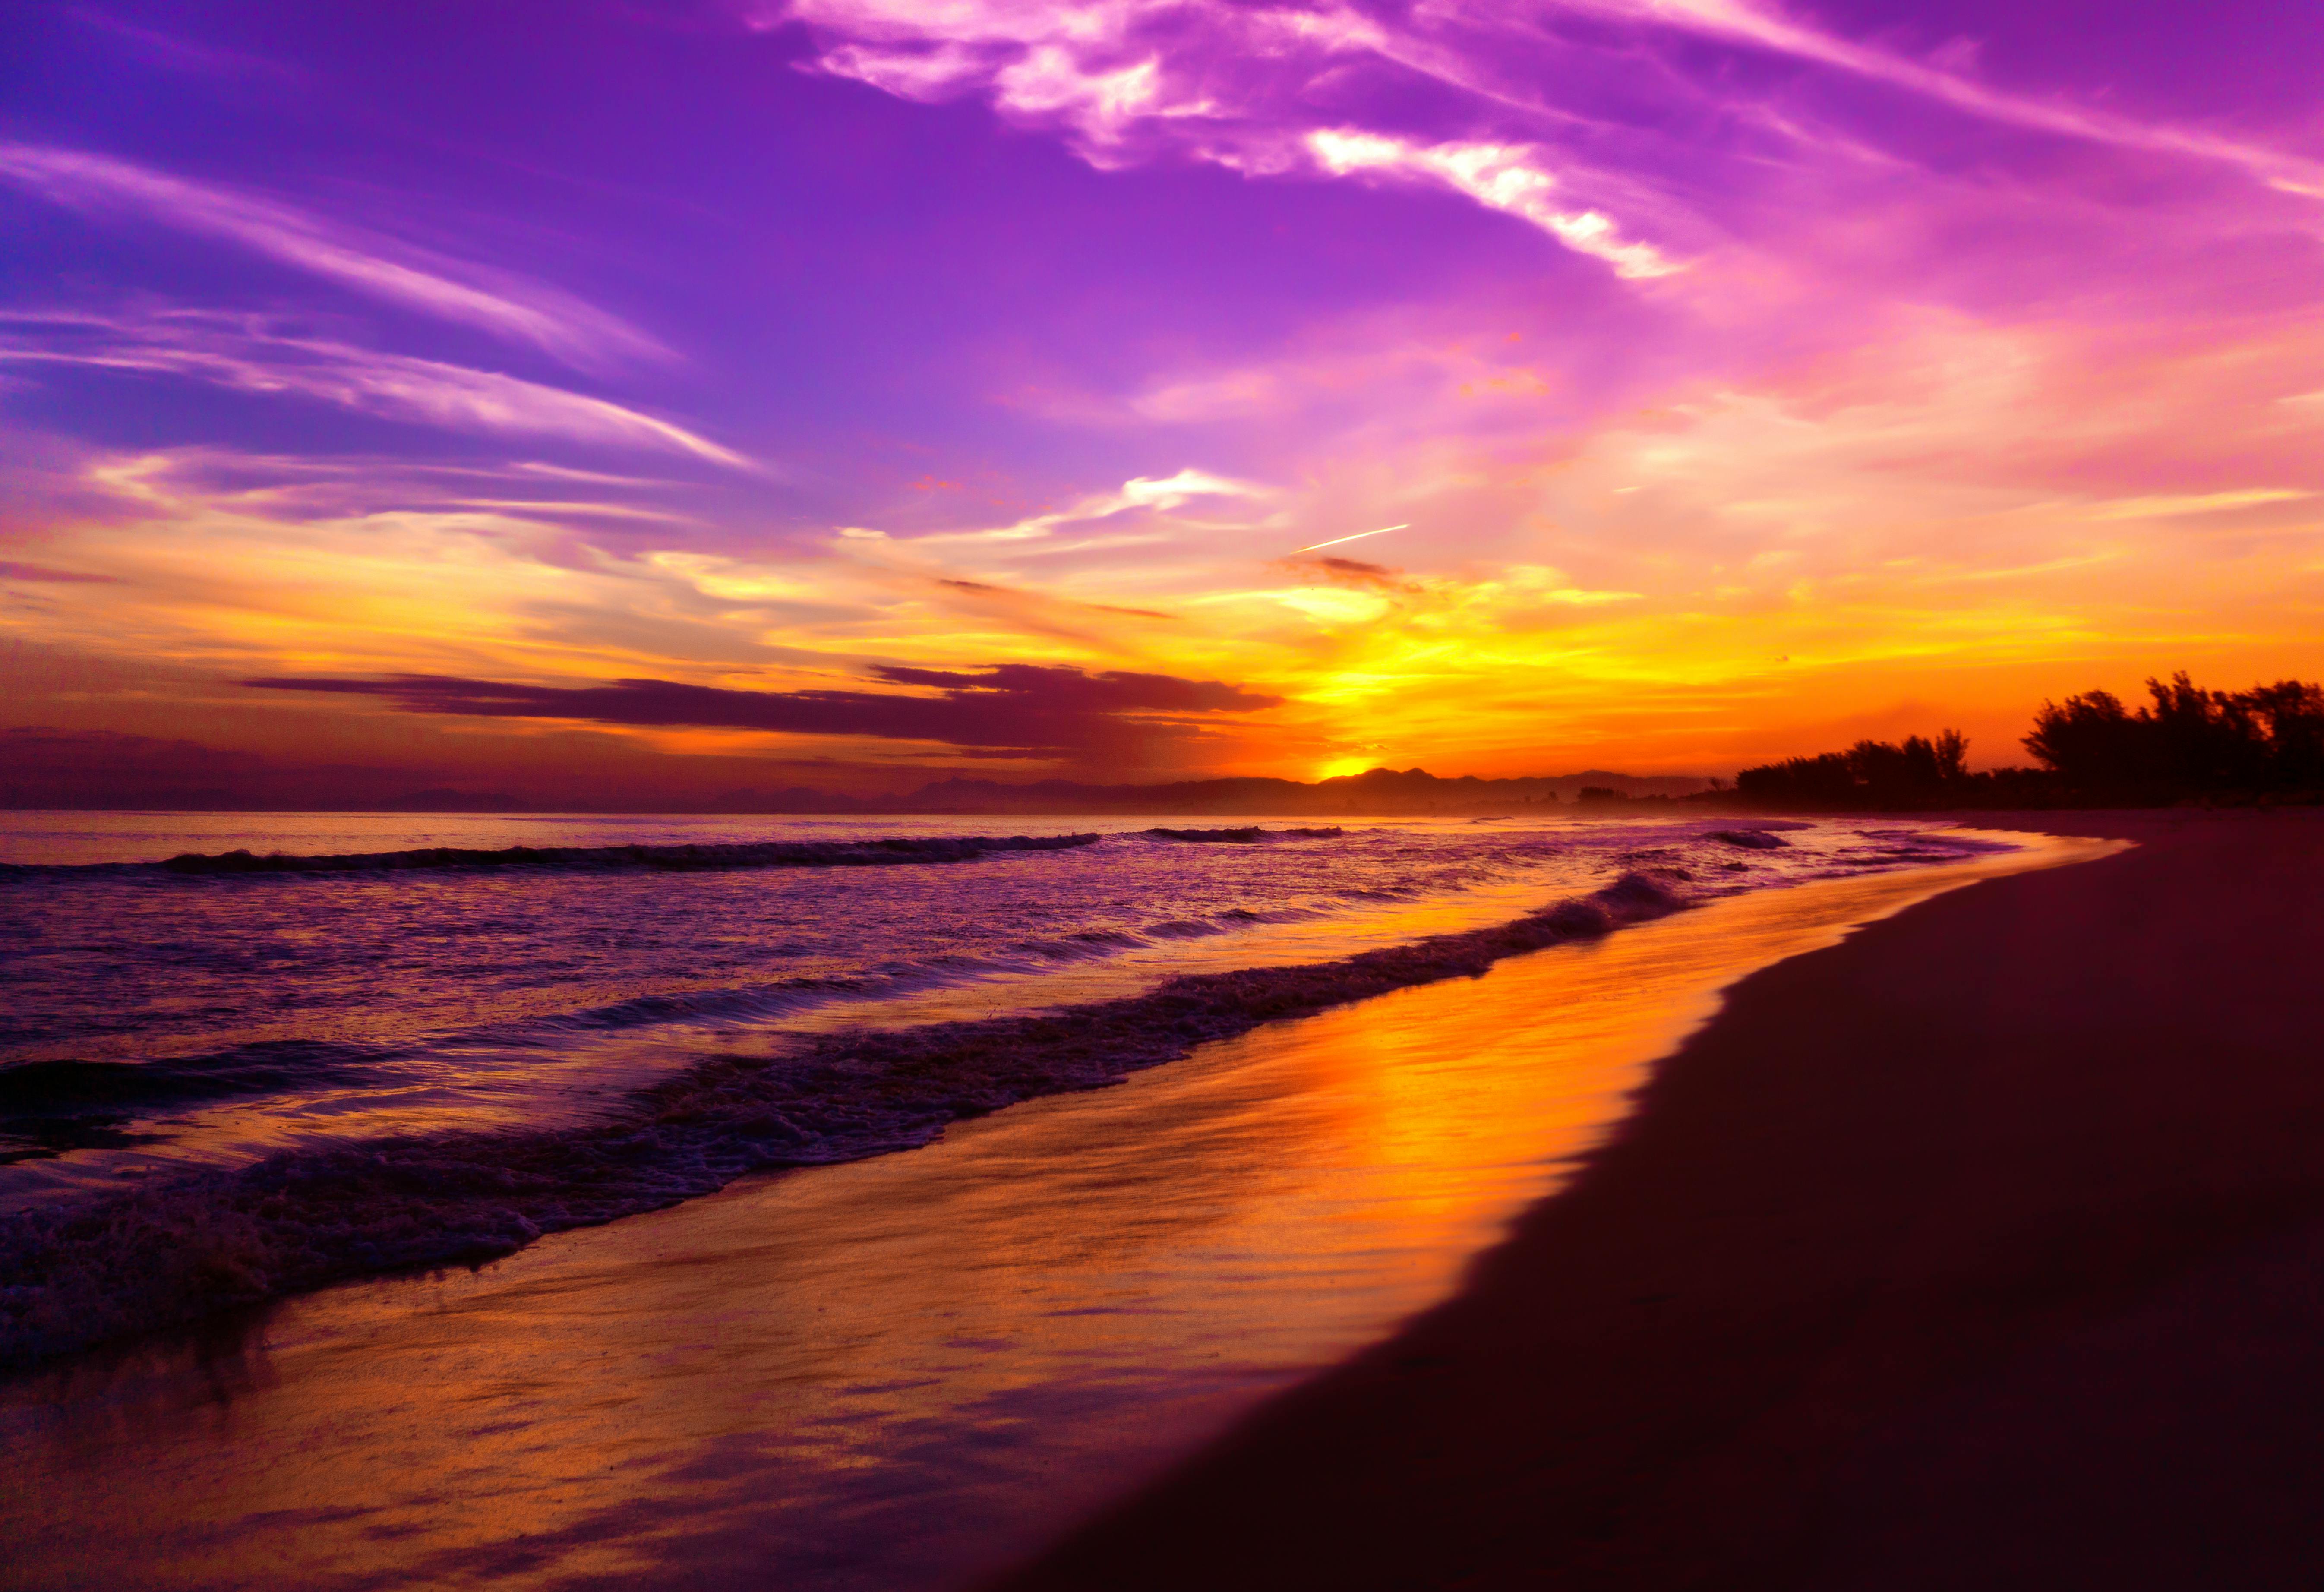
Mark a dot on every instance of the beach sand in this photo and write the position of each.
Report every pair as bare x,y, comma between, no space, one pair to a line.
1983,1249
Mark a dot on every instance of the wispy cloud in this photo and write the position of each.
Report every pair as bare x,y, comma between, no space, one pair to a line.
2209,503
240,566
501,302
1159,494
1508,178
1235,85
1514,99
244,354
1769,29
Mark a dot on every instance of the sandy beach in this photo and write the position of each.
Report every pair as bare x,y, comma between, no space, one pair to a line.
1978,1250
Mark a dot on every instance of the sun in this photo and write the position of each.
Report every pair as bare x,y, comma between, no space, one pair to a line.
1339,767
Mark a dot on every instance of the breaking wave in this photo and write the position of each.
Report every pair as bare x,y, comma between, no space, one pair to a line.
184,1246
677,858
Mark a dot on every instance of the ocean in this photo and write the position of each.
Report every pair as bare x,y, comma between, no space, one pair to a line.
245,1055
362,1054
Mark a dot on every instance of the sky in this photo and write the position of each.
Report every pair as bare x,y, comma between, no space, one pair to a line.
638,400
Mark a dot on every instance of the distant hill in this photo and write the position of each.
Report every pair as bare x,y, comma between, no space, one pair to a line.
1375,791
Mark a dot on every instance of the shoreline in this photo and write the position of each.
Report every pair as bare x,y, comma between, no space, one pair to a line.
921,1367
202,1242
1977,1250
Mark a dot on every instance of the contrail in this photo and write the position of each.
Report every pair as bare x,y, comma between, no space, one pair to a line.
1360,536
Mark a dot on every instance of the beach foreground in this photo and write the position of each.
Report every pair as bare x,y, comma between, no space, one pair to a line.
1982,1249
911,1370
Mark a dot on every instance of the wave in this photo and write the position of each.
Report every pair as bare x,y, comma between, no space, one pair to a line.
1251,834
51,1104
672,859
260,1068
49,1108
185,1246
1750,840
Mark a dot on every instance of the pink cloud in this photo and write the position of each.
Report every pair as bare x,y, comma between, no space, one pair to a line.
1522,118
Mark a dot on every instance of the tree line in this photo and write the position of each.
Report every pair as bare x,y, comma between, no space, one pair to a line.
2188,744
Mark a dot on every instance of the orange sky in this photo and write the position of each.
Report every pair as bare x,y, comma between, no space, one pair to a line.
1841,419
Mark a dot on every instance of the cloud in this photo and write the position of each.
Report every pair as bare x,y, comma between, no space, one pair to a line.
1106,70
1115,690
1350,572
1500,177
1767,29
243,353
1156,494
1014,594
501,302
2209,502
1014,710
242,565
1605,124
1131,80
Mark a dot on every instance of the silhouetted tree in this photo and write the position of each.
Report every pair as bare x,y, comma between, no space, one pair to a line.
2092,741
2191,743
1920,773
2188,743
2293,713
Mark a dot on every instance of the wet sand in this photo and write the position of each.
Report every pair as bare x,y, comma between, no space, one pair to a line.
904,1371
1983,1250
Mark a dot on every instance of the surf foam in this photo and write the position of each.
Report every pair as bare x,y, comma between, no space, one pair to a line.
182,1246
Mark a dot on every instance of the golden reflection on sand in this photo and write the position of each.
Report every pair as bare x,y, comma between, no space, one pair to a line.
901,1372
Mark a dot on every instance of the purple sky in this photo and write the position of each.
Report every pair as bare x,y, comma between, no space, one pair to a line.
1743,378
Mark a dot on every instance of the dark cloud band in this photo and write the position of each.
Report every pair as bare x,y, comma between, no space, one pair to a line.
1009,709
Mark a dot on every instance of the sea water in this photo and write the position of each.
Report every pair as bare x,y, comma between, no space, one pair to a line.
903,1371
245,1054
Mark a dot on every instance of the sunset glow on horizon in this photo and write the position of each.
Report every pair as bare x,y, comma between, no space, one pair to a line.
638,402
